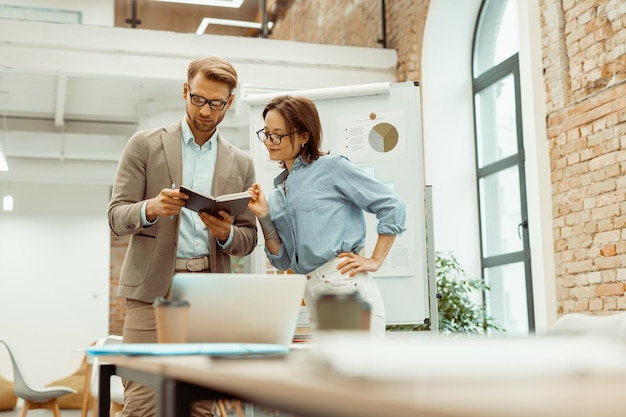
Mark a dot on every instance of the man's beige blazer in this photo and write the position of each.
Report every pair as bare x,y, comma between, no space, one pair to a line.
150,162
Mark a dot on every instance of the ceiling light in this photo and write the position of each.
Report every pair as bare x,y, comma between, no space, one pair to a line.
206,21
7,203
217,3
3,163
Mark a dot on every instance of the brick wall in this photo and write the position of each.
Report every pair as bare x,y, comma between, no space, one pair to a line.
359,23
584,57
405,30
117,306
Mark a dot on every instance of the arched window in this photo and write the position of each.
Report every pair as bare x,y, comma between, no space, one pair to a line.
504,238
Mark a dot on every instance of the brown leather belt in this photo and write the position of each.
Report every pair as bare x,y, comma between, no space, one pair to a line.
195,264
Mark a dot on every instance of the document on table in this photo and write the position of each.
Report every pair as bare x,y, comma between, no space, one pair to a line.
171,349
472,358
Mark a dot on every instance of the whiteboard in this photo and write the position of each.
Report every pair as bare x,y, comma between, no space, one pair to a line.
378,127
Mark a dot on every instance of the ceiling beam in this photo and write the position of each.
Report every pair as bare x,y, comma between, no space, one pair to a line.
115,52
97,85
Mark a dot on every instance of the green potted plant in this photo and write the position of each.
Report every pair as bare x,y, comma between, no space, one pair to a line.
457,310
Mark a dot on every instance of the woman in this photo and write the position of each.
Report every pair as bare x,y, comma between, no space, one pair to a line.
313,221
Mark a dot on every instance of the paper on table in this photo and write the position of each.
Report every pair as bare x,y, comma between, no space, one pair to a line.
170,349
472,358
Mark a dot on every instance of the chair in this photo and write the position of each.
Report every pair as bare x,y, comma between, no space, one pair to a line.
35,397
91,382
8,399
611,326
225,406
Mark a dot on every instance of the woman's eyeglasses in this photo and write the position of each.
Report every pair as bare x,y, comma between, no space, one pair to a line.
274,138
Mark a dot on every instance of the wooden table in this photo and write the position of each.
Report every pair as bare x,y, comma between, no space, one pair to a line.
302,385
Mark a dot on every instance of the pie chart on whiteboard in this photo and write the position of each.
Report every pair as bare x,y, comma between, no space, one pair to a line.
383,137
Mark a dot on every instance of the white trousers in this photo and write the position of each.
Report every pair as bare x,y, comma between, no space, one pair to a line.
327,279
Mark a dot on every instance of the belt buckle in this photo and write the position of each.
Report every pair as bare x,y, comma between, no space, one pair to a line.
195,264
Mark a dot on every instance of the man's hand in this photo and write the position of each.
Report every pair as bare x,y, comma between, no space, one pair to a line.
167,203
219,226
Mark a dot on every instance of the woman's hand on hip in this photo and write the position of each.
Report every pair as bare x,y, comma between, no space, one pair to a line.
354,264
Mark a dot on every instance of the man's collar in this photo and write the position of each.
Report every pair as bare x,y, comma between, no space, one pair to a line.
188,134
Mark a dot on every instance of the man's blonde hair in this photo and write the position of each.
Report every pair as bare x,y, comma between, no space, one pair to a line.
215,69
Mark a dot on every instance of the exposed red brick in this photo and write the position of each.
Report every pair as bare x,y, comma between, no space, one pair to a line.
615,288
609,250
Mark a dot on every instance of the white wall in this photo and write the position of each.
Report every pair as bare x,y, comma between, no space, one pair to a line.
538,174
54,276
449,128
449,141
54,257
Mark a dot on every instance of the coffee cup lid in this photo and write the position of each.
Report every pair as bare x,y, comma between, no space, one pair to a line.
159,302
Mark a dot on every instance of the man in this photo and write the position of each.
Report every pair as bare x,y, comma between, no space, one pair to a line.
146,204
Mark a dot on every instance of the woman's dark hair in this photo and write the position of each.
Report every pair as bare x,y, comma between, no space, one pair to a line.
300,115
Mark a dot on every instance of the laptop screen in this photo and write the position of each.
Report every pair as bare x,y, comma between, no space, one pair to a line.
244,308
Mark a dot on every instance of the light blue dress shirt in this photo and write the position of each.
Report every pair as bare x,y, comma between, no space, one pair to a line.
318,210
198,171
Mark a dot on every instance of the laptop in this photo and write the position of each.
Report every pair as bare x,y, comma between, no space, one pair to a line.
240,308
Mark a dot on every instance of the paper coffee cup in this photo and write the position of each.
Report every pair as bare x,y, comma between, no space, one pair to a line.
172,317
342,312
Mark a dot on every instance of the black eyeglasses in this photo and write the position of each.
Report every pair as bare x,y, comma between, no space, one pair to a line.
274,138
200,101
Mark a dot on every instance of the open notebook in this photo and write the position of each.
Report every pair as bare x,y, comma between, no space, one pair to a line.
240,308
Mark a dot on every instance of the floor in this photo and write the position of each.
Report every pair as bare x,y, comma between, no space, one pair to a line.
39,413
258,412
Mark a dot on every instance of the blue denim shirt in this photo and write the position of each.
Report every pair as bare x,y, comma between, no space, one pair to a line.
318,210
